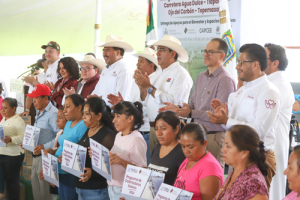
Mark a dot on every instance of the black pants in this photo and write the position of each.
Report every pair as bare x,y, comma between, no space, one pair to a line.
10,167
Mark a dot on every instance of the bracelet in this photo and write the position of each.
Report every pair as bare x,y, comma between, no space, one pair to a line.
26,110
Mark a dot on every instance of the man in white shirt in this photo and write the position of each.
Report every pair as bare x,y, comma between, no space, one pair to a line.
147,63
256,104
277,63
171,84
117,76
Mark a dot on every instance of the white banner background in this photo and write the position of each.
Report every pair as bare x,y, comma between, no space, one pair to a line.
194,23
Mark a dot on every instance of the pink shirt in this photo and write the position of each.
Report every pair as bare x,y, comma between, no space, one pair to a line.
292,196
189,179
131,148
1,99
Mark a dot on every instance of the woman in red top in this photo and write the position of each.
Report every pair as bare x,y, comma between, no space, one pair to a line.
68,74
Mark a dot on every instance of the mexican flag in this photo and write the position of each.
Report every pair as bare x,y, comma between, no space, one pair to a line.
150,33
227,36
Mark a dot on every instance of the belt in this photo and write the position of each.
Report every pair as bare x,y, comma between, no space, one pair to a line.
212,132
36,155
144,132
152,124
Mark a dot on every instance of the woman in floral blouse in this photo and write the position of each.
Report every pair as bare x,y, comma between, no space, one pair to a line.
244,151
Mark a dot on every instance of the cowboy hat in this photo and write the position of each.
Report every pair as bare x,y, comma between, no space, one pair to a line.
89,59
149,54
115,41
174,44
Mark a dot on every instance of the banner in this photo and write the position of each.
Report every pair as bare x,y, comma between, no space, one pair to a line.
31,137
195,23
100,159
73,158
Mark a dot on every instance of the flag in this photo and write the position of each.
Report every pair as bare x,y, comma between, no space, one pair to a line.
150,32
227,36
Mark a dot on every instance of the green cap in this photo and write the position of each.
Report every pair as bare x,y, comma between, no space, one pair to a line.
52,44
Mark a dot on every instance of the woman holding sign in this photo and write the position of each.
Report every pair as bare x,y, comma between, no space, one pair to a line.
167,156
98,118
200,173
129,146
73,132
11,155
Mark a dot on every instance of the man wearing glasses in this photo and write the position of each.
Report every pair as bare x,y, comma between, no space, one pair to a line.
214,83
170,84
91,69
255,104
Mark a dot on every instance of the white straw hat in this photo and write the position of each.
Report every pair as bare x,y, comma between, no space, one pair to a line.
89,59
149,54
116,41
174,44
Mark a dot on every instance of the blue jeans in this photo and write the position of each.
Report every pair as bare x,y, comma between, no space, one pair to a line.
98,194
146,136
114,192
66,189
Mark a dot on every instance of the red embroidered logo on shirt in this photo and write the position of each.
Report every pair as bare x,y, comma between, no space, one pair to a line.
168,80
270,104
239,92
251,97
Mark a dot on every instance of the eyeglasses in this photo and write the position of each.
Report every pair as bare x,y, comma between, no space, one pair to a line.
86,68
240,62
210,52
161,50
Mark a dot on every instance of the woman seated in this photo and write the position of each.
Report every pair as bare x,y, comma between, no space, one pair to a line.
129,146
200,173
244,151
68,73
293,174
167,155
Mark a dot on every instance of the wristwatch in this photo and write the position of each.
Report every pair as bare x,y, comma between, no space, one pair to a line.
150,89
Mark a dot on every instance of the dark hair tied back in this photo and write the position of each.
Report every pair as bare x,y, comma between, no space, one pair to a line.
135,109
245,138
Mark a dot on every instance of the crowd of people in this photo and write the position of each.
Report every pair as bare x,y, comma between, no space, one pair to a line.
145,118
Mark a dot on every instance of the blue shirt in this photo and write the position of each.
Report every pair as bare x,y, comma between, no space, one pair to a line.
46,121
71,134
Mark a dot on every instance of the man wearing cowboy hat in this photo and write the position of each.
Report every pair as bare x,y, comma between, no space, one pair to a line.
117,76
214,83
171,84
147,63
91,69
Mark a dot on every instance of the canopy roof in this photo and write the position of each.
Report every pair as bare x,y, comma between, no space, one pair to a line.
27,25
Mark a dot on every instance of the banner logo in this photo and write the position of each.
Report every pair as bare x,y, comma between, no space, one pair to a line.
227,36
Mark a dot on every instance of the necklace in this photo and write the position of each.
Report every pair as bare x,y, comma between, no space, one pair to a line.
87,135
191,167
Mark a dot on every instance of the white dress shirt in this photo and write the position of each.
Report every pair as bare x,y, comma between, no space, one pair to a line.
278,184
51,73
173,85
256,104
135,95
115,78
4,91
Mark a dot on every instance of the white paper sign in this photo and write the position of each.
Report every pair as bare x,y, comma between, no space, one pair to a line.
31,137
50,169
153,184
100,159
168,192
16,86
73,158
2,144
135,181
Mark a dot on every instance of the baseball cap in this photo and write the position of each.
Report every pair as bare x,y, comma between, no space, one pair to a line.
40,90
51,44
